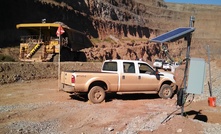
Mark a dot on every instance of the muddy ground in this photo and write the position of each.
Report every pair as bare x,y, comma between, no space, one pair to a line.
32,104
37,106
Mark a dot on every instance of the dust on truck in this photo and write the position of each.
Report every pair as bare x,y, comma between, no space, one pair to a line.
40,43
124,76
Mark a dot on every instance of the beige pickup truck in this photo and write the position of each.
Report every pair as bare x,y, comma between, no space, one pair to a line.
125,76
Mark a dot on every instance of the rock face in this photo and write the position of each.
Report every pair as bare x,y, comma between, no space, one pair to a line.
118,28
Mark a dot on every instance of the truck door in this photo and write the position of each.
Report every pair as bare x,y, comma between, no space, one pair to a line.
129,78
147,78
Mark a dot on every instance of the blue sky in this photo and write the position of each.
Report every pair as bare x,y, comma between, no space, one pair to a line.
210,2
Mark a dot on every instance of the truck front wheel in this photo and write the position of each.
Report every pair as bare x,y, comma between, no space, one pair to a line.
166,91
96,94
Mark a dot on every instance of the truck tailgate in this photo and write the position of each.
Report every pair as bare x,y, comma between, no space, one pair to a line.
66,78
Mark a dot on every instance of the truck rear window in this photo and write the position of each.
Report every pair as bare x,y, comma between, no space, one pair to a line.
110,66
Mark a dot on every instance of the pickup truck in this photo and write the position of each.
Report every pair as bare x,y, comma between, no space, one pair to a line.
124,76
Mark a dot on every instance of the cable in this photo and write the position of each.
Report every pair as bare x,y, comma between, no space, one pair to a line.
190,100
179,108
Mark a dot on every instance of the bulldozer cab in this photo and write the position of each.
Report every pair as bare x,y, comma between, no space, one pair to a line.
39,41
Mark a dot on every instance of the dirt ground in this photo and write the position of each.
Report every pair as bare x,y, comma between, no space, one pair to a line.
38,107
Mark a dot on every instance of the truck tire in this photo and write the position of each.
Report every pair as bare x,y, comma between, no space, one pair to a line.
166,91
96,94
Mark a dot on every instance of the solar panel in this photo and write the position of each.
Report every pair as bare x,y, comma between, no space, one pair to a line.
173,35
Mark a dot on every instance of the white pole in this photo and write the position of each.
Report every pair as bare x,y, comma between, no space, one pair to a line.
59,64
210,84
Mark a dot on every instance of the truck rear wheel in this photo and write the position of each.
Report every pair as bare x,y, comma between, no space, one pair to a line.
96,94
166,91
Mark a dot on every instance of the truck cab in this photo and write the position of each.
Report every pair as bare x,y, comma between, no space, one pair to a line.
136,75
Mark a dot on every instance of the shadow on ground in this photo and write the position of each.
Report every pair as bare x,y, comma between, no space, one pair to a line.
113,96
137,96
197,115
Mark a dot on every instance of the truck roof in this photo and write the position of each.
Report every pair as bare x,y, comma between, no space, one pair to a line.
121,60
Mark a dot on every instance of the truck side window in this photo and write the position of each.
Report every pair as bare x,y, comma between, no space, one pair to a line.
144,68
110,66
129,67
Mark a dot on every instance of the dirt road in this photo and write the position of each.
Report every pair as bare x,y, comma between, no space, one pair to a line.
38,107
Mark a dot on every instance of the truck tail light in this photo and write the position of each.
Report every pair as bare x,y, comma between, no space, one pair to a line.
72,79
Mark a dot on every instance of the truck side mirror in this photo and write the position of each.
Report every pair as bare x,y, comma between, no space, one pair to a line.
156,71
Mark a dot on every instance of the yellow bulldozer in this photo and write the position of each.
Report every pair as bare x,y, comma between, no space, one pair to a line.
39,43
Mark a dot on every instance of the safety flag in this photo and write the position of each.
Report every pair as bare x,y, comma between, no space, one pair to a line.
60,31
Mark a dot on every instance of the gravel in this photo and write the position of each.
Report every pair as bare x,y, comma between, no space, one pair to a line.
212,128
30,127
148,122
24,126
31,106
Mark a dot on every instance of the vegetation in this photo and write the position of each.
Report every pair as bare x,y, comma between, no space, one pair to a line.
95,40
